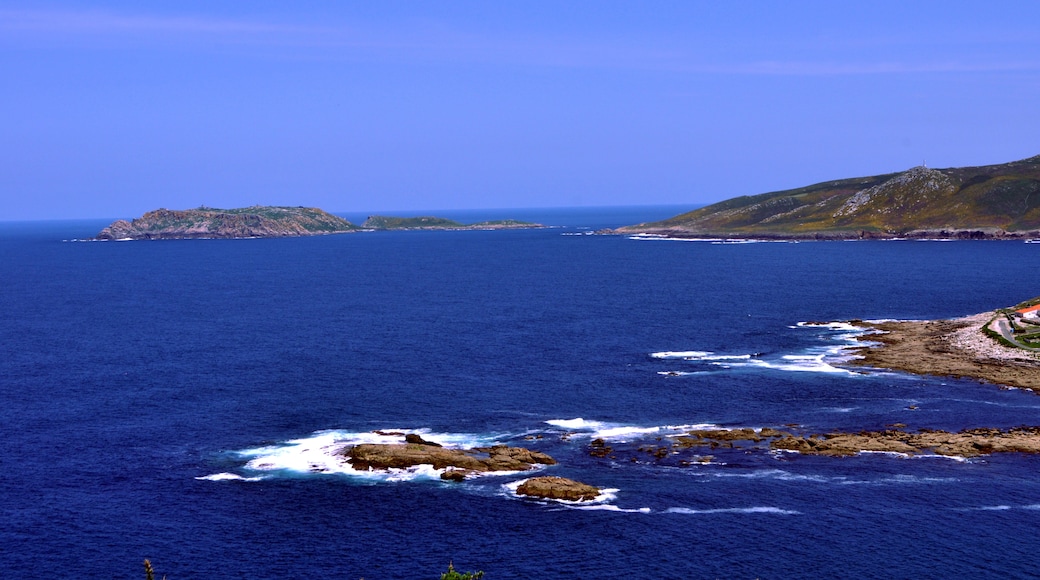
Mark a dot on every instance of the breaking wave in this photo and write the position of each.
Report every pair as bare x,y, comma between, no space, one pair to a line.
321,453
618,431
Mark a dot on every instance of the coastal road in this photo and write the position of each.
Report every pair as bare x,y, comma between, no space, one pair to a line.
1001,325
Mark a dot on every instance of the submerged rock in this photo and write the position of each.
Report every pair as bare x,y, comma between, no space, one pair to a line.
549,487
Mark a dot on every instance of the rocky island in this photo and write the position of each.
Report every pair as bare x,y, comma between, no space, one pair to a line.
378,222
988,202
274,222
460,464
457,463
207,222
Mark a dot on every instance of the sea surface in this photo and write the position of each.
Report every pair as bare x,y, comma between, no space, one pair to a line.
183,401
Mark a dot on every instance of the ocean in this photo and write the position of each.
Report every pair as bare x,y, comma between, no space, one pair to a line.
182,401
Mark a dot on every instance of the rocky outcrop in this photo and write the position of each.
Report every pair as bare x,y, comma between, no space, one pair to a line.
250,222
966,443
558,488
956,348
896,439
457,463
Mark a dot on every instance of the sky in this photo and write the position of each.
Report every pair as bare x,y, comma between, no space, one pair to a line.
111,109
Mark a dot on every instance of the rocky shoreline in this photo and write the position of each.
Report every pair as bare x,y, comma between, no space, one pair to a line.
830,235
955,347
967,443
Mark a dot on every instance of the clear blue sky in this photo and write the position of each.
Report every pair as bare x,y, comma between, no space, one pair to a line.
110,109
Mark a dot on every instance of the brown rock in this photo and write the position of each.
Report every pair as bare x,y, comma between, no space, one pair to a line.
558,488
455,474
967,443
416,439
403,455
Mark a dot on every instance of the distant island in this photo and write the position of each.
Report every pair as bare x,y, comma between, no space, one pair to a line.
207,222
989,202
378,222
272,222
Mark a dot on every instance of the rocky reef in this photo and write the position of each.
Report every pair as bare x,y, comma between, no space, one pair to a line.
456,463
557,488
965,443
205,222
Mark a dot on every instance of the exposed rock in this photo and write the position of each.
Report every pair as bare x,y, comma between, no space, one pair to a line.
957,347
416,439
599,448
558,488
459,462
455,474
966,443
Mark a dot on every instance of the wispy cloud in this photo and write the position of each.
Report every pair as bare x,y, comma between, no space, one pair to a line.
443,44
99,22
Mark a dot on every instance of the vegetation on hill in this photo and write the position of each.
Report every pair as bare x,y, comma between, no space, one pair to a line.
249,222
992,201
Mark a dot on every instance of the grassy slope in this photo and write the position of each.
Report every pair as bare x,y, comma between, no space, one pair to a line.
1000,197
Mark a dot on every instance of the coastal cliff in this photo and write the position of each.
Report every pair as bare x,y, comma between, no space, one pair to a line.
988,202
206,222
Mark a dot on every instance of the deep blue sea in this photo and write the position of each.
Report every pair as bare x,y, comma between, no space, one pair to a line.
182,401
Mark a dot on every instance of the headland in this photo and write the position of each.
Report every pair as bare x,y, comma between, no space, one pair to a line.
995,347
974,203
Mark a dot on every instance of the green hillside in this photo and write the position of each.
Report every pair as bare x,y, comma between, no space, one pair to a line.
992,201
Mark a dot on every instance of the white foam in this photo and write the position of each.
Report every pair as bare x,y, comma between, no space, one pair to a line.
610,508
694,355
846,326
680,354
227,477
812,363
321,453
660,238
620,431
576,423
778,474
748,510
679,373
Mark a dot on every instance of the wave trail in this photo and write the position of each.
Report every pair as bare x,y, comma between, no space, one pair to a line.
748,510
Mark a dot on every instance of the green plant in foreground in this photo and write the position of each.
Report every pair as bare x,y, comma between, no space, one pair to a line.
149,573
453,574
